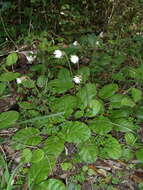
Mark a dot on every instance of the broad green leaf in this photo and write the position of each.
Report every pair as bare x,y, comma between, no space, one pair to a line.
127,154
66,166
42,81
101,125
2,88
63,83
112,148
28,136
9,76
26,105
108,90
136,94
130,138
89,40
28,83
39,171
118,76
74,186
139,113
26,155
37,155
115,101
139,155
126,101
79,114
55,184
103,59
124,125
88,151
11,59
64,104
54,146
84,72
64,75
120,113
86,94
7,119
95,107
75,132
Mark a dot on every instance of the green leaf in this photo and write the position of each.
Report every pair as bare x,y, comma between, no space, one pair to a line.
101,125
11,59
9,76
139,155
86,94
120,113
74,186
37,156
26,105
84,72
64,104
115,101
95,107
28,136
79,114
126,101
42,81
75,132
112,148
139,113
28,83
39,171
89,40
130,138
55,184
63,83
136,94
88,151
8,118
2,88
66,166
54,146
26,155
108,90
127,154
124,125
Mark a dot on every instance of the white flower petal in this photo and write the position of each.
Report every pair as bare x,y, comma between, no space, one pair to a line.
62,13
30,56
97,43
18,80
74,59
101,35
77,79
75,43
58,53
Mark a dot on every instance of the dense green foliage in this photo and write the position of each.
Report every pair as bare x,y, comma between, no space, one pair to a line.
86,94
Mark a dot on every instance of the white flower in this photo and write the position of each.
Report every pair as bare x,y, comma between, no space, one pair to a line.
19,80
101,35
30,56
75,43
58,53
74,59
77,79
97,43
62,13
